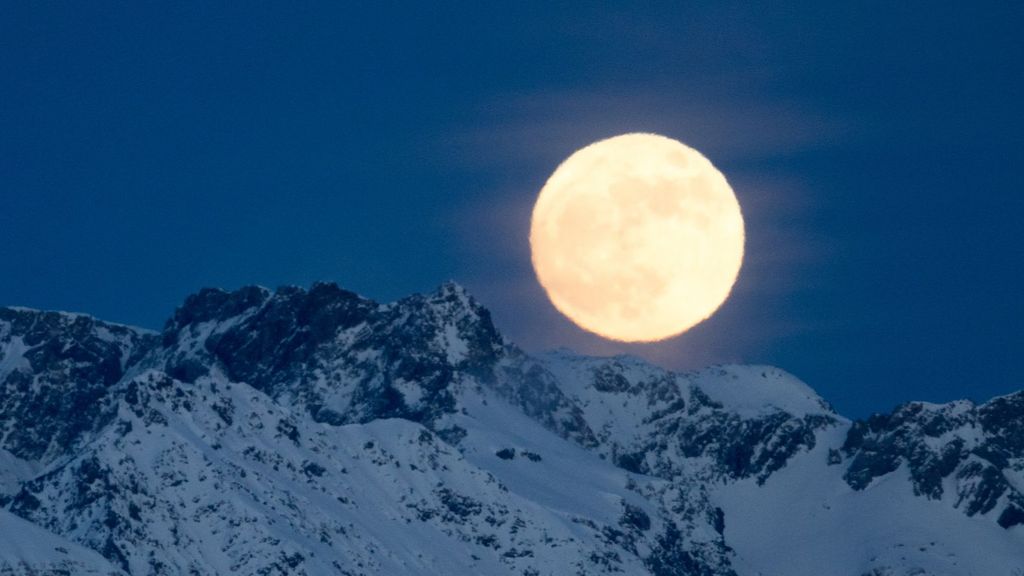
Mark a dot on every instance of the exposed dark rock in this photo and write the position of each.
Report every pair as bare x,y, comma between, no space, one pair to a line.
53,396
930,441
718,520
635,517
607,379
673,558
531,456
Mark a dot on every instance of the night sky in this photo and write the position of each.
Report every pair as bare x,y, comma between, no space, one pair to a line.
148,150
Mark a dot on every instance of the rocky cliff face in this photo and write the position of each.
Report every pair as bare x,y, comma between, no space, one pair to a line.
55,369
318,432
965,454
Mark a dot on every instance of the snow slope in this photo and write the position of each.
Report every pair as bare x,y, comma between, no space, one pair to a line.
27,549
807,521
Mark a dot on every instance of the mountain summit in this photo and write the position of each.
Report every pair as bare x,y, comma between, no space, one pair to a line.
314,431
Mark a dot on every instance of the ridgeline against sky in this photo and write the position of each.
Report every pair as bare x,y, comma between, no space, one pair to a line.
149,149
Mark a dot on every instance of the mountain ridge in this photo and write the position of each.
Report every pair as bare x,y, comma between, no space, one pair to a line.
109,433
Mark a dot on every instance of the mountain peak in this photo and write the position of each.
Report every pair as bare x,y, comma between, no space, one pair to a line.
215,304
452,287
460,325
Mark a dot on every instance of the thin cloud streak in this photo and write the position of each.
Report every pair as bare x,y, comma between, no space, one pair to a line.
544,128
527,137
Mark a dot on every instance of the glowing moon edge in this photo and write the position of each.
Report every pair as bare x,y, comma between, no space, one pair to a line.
637,238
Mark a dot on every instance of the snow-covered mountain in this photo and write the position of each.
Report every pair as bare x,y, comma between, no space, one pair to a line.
318,432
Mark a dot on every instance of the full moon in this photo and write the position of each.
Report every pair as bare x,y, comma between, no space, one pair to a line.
637,238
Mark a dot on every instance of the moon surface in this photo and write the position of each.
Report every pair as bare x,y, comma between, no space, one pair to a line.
637,238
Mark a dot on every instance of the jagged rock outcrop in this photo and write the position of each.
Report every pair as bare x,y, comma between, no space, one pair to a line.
55,370
975,451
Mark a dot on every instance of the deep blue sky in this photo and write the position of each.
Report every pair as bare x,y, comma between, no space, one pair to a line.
147,150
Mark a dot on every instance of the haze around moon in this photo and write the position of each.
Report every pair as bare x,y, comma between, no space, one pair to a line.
637,238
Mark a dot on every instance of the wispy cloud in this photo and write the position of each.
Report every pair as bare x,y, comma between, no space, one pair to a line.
516,142
545,127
